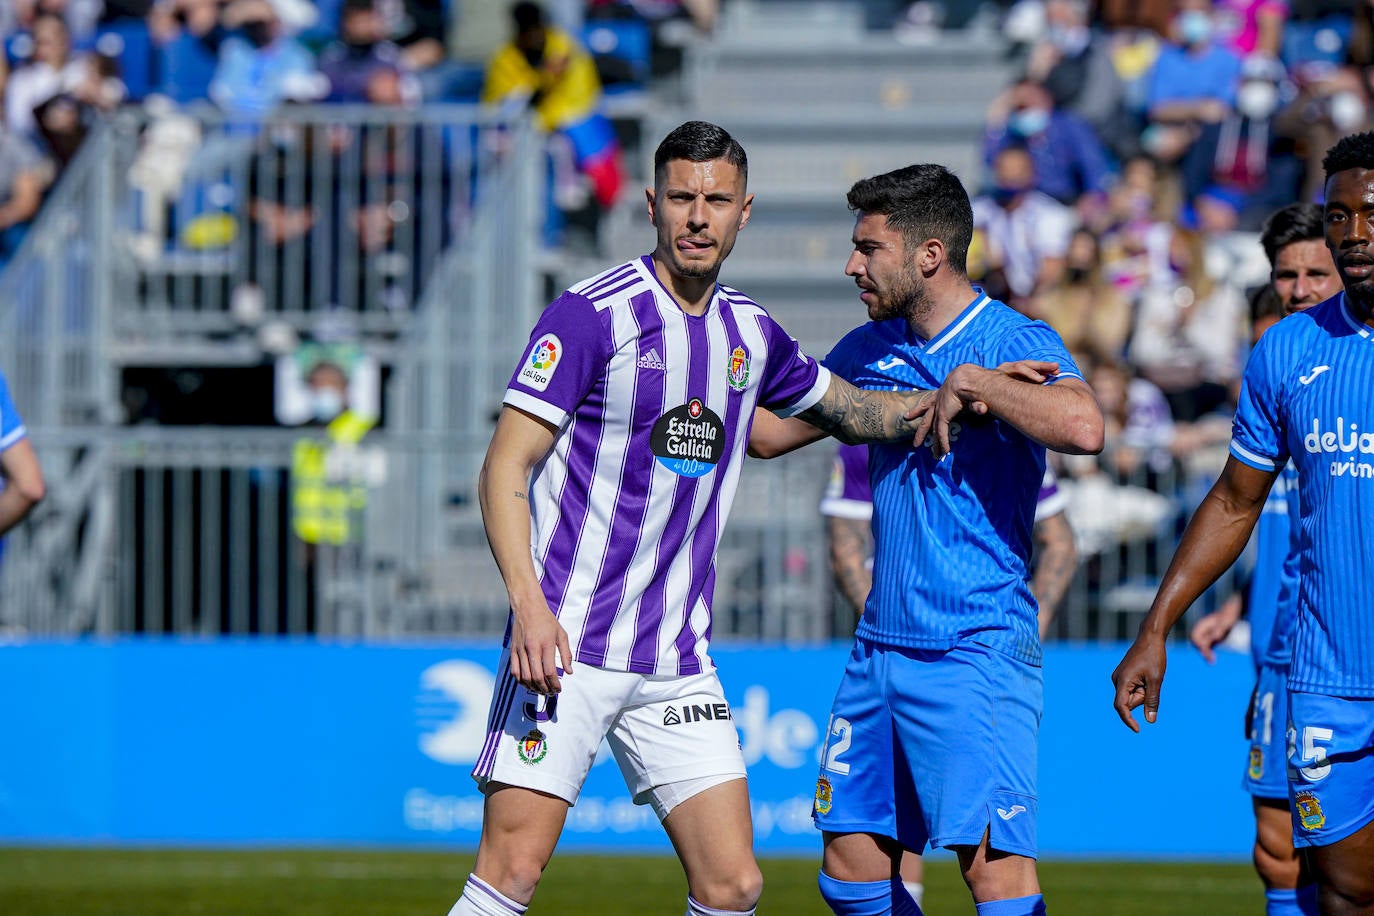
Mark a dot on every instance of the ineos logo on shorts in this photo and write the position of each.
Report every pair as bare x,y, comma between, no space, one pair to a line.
689,440
712,712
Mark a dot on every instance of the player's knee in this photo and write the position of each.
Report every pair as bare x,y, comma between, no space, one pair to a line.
1347,890
1277,867
1004,878
737,890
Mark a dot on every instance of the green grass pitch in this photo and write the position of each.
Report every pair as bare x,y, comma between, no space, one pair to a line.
292,882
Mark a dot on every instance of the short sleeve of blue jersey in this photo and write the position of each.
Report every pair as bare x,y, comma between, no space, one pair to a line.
845,358
1256,434
1038,341
11,426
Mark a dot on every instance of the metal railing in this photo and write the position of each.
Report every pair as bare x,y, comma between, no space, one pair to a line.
188,529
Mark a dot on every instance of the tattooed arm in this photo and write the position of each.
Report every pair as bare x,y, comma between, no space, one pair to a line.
520,442
850,540
1056,560
849,414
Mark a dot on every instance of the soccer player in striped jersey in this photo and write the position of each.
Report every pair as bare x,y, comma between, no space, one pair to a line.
1306,397
848,509
932,735
1302,274
604,492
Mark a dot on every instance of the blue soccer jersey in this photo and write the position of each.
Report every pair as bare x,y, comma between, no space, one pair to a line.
952,538
11,426
1306,396
1274,583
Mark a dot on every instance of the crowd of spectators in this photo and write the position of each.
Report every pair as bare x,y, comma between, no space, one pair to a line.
68,62
1128,170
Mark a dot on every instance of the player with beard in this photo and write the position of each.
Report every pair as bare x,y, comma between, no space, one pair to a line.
933,732
604,493
1305,398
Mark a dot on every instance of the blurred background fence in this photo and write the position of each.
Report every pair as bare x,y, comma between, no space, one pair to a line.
159,321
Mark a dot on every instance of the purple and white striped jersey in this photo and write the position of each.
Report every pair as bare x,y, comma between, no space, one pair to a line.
653,408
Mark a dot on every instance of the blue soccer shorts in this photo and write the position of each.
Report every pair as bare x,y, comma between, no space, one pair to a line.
1266,767
1330,766
933,747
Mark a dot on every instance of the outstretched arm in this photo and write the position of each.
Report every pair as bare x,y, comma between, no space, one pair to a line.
520,442
1063,416
848,413
1214,538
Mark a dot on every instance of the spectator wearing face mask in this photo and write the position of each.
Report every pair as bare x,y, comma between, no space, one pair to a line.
260,63
1193,82
1330,104
1242,159
361,53
1069,159
1024,232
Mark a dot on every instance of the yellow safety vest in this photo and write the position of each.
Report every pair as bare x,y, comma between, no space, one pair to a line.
325,511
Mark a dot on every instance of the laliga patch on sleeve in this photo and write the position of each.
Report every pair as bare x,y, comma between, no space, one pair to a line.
543,362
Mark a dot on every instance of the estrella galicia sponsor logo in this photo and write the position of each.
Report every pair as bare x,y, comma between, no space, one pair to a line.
689,440
543,361
706,712
1345,439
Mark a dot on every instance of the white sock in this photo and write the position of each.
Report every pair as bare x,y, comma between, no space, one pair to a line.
700,909
481,899
916,889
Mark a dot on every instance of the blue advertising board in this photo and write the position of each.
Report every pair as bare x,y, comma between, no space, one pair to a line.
306,742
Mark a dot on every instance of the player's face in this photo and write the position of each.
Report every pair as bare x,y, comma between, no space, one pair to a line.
698,209
1304,275
889,283
1350,230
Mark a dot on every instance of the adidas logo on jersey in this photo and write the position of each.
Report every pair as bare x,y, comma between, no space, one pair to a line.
652,360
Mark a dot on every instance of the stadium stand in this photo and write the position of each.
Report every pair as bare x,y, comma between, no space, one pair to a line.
188,259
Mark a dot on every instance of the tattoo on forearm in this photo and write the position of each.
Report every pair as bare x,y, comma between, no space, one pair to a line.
519,495
854,415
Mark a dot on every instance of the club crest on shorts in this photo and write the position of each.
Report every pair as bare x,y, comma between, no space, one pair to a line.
1310,813
737,374
823,795
533,747
1256,761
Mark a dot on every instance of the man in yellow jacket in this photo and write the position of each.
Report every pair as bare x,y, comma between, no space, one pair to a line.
545,68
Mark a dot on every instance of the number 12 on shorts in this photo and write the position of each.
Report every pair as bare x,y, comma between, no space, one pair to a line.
837,738
1312,753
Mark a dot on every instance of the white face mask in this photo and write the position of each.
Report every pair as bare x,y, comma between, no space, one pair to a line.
1257,99
326,403
1347,110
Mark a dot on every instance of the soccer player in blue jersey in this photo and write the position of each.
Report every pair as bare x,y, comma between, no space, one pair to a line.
848,509
1307,398
1302,275
933,732
21,478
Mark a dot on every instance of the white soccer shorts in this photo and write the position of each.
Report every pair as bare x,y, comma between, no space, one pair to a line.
672,735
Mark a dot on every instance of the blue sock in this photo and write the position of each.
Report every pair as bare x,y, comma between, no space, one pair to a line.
1281,901
867,898
1307,900
1034,905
